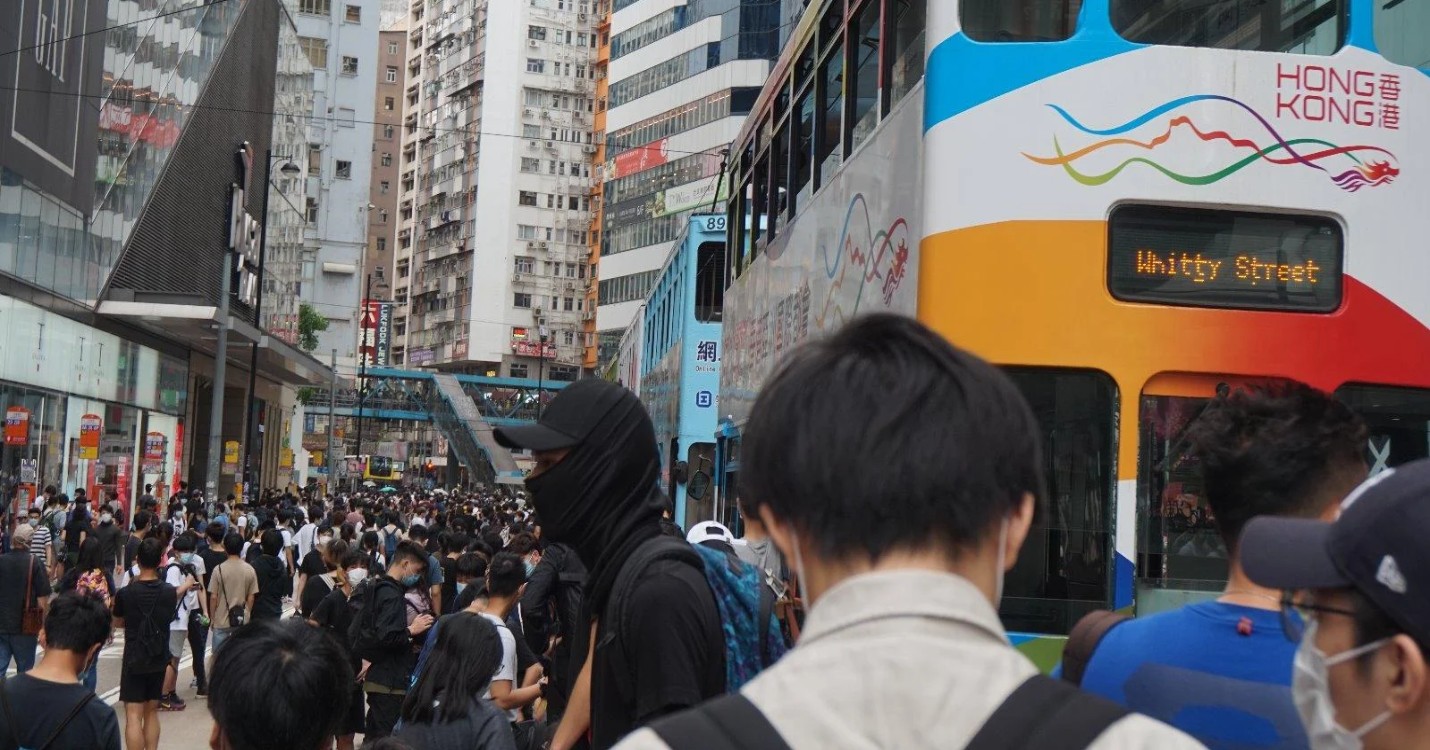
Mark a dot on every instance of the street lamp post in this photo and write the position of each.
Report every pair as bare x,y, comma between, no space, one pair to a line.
249,480
540,369
362,369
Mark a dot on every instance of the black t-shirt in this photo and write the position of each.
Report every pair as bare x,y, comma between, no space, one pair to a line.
670,658
312,564
130,547
147,608
40,706
335,616
449,585
16,567
314,591
78,524
212,559
110,538
273,585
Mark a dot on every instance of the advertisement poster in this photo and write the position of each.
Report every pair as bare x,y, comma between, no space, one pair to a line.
90,428
155,446
230,457
17,425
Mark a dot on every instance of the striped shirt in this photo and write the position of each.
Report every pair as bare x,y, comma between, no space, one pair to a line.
40,542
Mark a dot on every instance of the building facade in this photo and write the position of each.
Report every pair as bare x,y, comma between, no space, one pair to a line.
132,177
383,184
497,202
341,39
681,80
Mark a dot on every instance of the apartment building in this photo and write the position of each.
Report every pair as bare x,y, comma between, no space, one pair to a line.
382,197
341,40
496,172
681,79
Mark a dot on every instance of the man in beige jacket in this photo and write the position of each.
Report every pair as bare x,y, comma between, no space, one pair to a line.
899,476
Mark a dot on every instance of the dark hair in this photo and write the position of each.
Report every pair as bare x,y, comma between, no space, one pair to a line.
463,659
470,565
386,743
945,445
1270,449
149,552
407,550
142,519
505,574
216,532
417,532
77,622
278,685
332,555
353,558
1373,624
452,541
369,540
272,542
91,556
522,544
233,543
186,542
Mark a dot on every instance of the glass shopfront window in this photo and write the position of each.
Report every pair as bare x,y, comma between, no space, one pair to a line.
31,454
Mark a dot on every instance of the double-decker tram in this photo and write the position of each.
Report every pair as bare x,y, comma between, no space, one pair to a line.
1125,204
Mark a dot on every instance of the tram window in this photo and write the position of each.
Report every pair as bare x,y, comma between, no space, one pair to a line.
904,49
830,152
1312,27
804,66
709,289
803,146
864,88
1020,20
761,203
779,178
1399,422
831,24
1065,568
1179,550
1402,32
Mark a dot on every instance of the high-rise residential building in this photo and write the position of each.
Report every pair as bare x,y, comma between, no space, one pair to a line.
681,79
341,39
496,176
386,150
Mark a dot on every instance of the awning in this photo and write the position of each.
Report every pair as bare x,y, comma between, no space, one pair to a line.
196,326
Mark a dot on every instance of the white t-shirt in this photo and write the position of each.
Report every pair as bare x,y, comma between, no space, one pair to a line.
306,536
174,577
507,669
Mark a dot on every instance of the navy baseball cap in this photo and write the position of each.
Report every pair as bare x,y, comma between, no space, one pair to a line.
569,418
1376,546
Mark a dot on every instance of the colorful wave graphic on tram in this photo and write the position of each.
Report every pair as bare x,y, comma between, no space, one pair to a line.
1350,168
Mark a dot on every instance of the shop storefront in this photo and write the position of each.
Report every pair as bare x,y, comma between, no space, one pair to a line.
86,409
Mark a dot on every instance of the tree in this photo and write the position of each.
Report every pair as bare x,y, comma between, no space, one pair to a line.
310,324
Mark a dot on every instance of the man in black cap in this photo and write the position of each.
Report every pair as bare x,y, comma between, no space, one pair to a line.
1357,603
595,486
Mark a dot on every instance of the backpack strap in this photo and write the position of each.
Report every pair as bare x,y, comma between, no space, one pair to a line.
70,717
730,722
1083,640
1046,714
656,548
767,611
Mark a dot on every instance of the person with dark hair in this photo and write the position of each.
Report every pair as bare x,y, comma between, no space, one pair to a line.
442,711
1354,607
377,563
233,591
382,635
143,525
191,620
900,475
470,574
418,535
595,485
273,581
551,611
143,610
1282,449
278,686
110,538
212,554
47,705
335,615
451,545
91,577
506,581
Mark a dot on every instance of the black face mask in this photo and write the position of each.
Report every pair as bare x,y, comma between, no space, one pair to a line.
602,499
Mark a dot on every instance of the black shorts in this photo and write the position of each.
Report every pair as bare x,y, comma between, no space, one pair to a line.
353,722
140,688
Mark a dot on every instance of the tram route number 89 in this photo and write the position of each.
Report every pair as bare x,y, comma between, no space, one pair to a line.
715,224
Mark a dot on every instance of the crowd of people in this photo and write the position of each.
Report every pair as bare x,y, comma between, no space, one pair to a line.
889,481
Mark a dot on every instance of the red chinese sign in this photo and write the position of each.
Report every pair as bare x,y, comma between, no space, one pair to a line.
155,444
17,425
640,158
531,349
90,427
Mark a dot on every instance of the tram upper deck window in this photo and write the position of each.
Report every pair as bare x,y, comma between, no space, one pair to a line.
1065,566
1019,20
1311,27
1402,31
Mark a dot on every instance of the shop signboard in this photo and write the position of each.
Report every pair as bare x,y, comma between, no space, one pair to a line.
17,425
285,459
230,457
91,426
155,446
532,349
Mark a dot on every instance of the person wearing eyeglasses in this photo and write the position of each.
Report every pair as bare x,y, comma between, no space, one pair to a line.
1356,604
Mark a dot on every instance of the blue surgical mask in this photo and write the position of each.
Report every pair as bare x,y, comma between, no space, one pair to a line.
461,587
188,558
411,580
530,567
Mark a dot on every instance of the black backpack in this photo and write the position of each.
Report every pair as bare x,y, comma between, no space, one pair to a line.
568,594
362,631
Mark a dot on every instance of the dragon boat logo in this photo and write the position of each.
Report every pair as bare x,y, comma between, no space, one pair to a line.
1129,145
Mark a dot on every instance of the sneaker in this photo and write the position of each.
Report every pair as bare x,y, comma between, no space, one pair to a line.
176,703
166,705
202,693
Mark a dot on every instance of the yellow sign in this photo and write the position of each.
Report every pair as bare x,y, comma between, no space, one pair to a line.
230,457
285,459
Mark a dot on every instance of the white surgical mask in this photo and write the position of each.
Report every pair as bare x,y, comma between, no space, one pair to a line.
325,539
1311,690
106,518
356,576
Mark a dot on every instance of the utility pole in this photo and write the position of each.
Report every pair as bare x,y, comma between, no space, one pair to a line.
216,402
332,424
540,368
362,368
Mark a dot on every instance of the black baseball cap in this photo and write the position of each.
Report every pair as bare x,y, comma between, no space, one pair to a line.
1376,546
569,418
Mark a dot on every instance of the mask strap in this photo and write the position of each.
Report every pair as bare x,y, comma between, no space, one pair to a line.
1345,656
1372,725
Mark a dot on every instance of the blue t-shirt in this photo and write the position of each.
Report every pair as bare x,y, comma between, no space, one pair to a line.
1200,670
